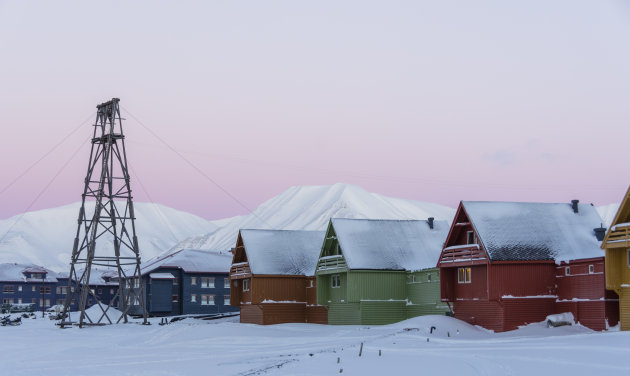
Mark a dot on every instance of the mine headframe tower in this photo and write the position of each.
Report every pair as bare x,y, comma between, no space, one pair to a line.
106,217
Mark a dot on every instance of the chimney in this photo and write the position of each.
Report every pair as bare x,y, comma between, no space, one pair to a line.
600,233
574,205
430,220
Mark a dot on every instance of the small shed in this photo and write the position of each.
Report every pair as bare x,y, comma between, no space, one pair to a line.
380,271
507,264
272,276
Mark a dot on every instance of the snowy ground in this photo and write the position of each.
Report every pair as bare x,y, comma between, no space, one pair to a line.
225,347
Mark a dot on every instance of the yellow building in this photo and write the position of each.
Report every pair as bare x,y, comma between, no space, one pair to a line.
617,246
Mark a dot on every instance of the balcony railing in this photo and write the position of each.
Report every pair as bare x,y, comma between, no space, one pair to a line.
462,253
240,270
331,264
619,237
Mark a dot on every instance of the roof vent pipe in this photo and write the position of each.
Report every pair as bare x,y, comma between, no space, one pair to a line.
574,205
430,220
600,233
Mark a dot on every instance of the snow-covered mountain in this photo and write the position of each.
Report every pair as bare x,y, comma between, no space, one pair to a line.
45,237
310,208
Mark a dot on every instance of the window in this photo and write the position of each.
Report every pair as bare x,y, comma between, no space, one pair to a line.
44,290
311,283
34,300
335,281
470,237
463,275
567,271
591,269
226,300
207,299
59,302
226,283
37,275
629,257
111,291
429,277
19,300
414,279
207,282
20,288
175,298
34,288
7,301
193,298
193,281
175,281
100,291
44,302
8,289
246,285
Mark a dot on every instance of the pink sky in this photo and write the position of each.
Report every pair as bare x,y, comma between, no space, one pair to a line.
433,101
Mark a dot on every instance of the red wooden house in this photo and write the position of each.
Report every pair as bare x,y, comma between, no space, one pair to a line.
506,264
273,276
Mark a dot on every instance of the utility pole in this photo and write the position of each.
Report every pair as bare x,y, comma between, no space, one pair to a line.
107,186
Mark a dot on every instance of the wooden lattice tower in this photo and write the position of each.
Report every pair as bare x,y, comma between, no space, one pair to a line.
107,186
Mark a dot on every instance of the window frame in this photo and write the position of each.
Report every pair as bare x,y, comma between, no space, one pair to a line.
471,238
226,300
246,284
175,298
226,283
193,298
464,275
193,281
567,271
337,278
591,269
207,299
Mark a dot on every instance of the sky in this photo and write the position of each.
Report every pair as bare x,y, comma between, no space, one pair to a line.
436,101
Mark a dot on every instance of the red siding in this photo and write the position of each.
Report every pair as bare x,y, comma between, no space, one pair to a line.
519,312
521,279
316,315
480,312
478,286
580,283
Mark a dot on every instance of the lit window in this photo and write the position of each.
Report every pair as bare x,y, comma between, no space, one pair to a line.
207,282
207,299
567,271
193,298
591,269
463,275
193,281
226,283
246,285
335,281
226,300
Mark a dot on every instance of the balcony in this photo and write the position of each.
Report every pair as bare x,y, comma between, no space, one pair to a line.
240,270
463,254
331,264
619,236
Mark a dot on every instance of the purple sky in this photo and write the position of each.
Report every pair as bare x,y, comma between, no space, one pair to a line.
434,101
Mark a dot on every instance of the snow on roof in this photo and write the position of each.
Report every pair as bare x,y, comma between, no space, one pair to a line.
390,244
161,276
190,261
15,273
98,276
285,252
535,231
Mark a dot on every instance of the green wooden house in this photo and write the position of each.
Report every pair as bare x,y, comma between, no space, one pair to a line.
380,271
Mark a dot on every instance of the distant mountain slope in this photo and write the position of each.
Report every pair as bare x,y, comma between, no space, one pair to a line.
608,212
45,237
310,208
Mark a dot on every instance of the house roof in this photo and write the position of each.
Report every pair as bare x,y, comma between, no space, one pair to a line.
191,261
523,231
97,276
10,272
390,244
284,252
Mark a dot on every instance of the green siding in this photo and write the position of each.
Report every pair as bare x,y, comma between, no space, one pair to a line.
326,294
424,296
380,313
376,285
344,314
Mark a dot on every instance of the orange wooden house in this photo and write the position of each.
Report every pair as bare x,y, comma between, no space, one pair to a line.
272,276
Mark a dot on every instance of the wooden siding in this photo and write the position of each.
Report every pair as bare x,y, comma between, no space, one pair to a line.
520,279
488,314
424,296
326,294
344,314
278,288
624,308
478,286
580,283
517,312
316,314
376,285
382,312
251,314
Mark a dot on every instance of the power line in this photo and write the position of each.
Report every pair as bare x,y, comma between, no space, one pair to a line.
234,198
63,167
46,154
